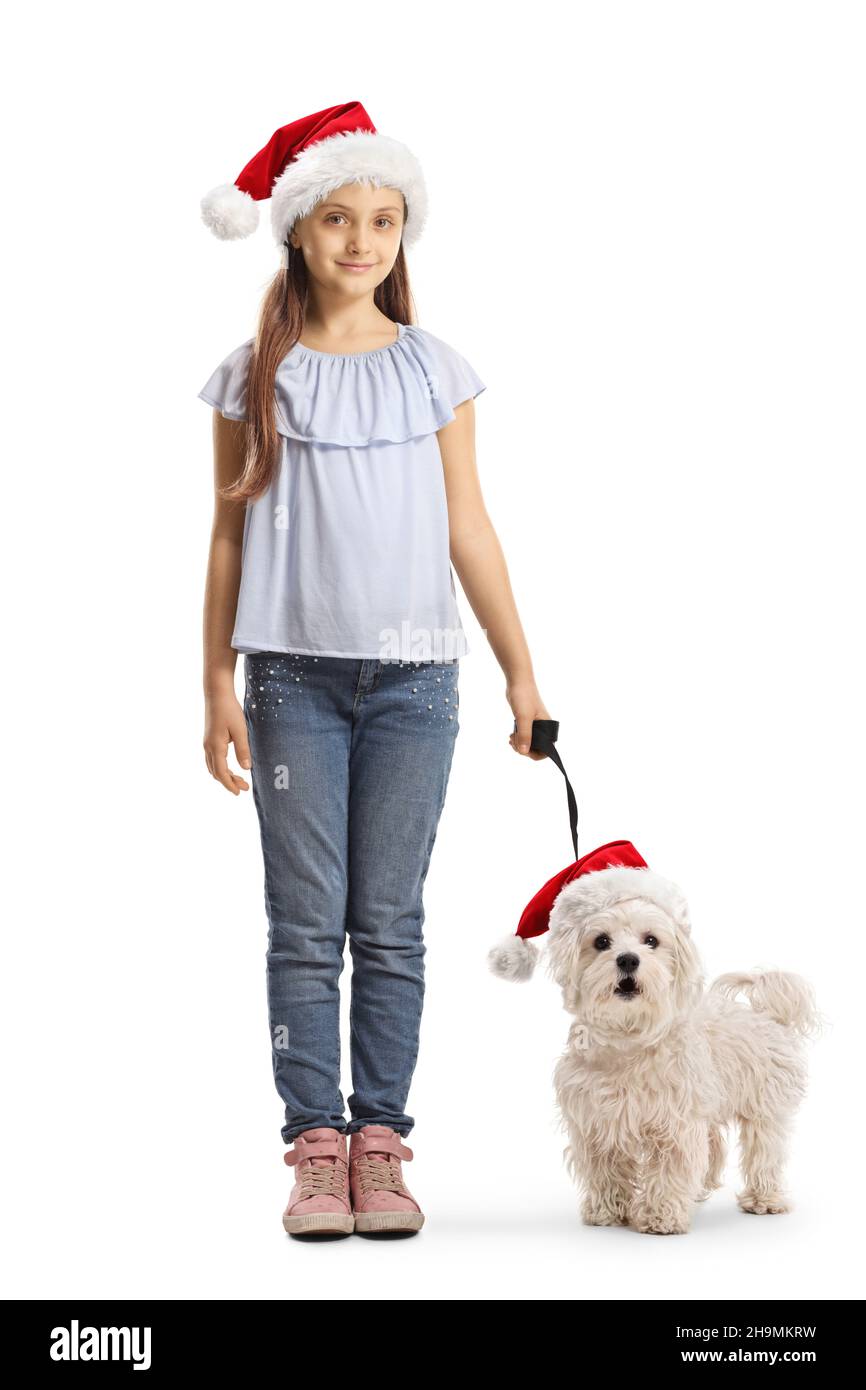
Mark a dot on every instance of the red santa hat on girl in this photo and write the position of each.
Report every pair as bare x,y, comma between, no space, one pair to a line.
611,874
306,161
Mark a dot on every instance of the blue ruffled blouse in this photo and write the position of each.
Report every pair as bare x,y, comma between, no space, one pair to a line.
347,553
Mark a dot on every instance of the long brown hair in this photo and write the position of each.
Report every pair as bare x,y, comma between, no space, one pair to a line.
281,323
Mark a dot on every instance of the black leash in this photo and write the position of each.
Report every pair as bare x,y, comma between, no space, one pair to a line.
544,735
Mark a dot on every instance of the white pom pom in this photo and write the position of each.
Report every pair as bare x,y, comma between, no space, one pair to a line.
514,959
229,212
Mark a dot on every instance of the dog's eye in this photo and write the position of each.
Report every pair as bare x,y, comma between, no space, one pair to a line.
602,943
651,941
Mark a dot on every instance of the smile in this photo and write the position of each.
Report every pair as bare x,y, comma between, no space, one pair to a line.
350,265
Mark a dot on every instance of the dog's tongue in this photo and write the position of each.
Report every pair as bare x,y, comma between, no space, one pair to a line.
371,1131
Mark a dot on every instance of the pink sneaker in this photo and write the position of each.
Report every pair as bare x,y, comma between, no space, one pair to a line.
381,1200
320,1203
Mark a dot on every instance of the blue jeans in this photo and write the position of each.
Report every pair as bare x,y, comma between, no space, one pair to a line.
351,760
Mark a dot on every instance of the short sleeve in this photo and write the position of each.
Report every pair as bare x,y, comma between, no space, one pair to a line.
226,387
456,379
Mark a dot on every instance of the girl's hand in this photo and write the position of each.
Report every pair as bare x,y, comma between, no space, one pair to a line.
225,724
526,705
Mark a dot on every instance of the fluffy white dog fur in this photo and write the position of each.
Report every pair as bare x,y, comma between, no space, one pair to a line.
656,1066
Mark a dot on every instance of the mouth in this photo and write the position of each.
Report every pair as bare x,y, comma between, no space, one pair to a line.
628,987
353,266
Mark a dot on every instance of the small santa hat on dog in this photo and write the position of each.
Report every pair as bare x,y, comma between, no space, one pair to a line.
306,161
611,874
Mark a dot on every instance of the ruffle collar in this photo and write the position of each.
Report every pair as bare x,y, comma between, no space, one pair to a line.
391,394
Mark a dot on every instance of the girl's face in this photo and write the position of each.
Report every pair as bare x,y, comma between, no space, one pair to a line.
351,239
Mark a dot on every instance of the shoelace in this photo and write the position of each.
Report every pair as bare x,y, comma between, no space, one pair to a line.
380,1174
322,1177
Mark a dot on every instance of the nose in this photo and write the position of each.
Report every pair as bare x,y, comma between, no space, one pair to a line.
628,962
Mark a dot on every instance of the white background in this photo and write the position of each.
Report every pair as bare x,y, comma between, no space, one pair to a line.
646,234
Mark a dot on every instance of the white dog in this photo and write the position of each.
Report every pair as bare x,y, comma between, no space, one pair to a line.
656,1066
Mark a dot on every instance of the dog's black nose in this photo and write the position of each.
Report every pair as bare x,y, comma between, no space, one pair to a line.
627,962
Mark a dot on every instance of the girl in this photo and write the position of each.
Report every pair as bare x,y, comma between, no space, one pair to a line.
346,485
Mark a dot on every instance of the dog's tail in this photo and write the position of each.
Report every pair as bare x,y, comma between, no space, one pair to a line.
786,998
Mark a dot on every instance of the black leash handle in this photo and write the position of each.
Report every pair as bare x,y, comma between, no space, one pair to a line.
544,735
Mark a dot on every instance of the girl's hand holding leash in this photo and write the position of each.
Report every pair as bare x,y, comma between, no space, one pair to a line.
526,705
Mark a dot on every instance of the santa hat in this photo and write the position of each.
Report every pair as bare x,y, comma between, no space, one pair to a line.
611,874
306,161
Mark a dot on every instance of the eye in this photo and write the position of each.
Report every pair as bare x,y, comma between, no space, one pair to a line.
385,219
602,943
651,941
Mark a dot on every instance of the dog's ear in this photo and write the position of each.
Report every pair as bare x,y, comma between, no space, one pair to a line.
688,971
563,948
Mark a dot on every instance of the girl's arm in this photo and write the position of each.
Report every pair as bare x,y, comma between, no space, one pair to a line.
480,564
224,717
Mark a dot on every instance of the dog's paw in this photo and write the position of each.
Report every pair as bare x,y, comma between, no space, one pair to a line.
764,1204
604,1212
661,1223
